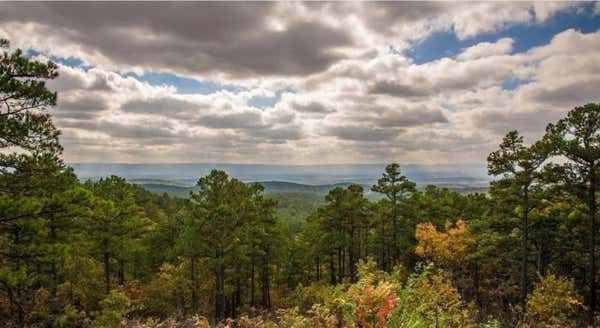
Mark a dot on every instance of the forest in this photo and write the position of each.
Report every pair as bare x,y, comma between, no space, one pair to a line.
108,253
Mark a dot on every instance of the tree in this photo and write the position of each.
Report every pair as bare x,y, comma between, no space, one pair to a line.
116,222
35,186
520,166
444,248
395,187
577,137
24,99
215,203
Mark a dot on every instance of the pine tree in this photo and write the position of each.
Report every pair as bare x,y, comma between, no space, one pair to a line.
520,167
577,137
395,187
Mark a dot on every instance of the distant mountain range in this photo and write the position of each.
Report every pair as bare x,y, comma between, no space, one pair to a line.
282,187
303,174
271,187
180,179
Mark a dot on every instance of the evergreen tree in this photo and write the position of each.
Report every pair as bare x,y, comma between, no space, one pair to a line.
577,137
395,187
520,167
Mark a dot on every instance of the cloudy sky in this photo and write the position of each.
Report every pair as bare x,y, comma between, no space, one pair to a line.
308,83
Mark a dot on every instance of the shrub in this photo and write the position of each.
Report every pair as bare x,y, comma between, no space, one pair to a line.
70,318
553,303
114,308
429,299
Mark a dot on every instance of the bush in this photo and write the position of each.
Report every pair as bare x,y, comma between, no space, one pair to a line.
430,300
114,309
553,303
70,318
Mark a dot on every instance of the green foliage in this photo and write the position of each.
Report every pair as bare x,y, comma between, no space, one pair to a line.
430,300
113,310
24,123
160,294
70,318
554,302
395,187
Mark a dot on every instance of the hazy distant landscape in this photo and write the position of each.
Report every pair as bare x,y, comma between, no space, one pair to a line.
180,179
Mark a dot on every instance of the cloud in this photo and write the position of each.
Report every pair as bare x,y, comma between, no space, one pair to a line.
399,90
165,106
486,49
410,117
338,92
192,38
240,120
361,133
313,107
80,108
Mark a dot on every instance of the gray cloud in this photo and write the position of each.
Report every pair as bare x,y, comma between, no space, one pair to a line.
529,122
361,133
395,89
194,38
568,94
162,106
86,108
313,107
411,117
241,120
277,134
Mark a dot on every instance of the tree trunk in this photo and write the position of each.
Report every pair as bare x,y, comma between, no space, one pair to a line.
331,270
219,282
524,236
194,284
252,284
352,256
383,263
238,291
266,296
339,258
106,267
121,272
54,288
592,255
318,268
394,249
477,294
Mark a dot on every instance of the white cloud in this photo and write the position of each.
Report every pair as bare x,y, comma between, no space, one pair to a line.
350,98
486,49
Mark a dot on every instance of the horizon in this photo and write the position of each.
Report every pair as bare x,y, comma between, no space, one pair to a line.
188,173
267,164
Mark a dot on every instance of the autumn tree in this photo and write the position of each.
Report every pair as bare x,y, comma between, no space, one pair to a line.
449,247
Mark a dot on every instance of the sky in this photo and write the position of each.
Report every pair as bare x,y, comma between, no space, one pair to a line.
308,83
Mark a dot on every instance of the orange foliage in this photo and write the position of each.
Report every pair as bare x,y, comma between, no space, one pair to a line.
133,290
373,303
443,247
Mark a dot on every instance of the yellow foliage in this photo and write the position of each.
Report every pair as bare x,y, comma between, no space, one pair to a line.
553,303
443,247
